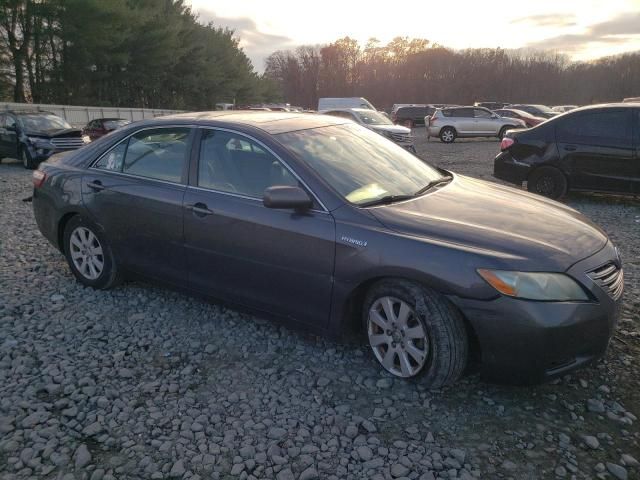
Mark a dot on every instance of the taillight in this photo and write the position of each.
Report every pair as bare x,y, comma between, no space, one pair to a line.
38,178
431,120
506,143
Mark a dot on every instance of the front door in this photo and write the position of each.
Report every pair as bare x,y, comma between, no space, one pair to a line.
597,148
135,192
280,261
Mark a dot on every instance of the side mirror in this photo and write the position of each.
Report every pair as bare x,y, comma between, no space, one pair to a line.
282,196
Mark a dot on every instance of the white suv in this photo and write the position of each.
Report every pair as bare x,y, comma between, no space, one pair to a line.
450,123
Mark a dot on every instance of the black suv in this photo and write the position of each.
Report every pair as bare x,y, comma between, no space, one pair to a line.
33,136
591,148
413,116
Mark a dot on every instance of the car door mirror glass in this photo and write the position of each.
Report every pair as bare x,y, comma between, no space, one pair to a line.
286,197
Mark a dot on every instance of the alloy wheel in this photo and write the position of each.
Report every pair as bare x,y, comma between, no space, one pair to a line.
86,253
447,136
397,337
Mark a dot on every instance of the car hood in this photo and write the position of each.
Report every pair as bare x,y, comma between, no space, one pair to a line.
391,128
55,132
517,227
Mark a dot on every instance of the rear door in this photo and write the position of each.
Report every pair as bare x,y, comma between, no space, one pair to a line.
279,261
135,192
596,148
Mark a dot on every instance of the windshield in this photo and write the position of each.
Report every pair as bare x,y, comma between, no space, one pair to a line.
113,124
359,164
43,122
373,118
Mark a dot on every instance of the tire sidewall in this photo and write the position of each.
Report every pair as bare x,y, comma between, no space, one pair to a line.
109,272
25,158
434,371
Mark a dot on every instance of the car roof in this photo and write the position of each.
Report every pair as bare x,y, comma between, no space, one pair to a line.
604,106
271,122
28,112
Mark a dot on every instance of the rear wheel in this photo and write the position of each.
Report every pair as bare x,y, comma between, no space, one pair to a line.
447,135
548,181
503,130
89,255
413,331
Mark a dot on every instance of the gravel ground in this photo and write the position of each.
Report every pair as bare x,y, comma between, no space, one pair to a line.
142,382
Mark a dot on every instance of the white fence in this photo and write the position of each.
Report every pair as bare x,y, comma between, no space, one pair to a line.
80,116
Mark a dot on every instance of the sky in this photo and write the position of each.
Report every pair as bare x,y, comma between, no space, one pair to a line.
582,29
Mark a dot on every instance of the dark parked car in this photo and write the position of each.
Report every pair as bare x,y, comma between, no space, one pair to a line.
527,118
412,116
33,136
99,127
323,223
535,110
591,148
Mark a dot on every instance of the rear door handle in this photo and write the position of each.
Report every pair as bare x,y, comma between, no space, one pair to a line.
200,209
96,185
570,148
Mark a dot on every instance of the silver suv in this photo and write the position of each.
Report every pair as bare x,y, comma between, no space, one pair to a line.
450,123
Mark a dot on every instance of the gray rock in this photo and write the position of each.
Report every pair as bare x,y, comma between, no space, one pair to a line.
591,441
276,433
399,470
617,471
309,474
384,383
177,470
285,474
629,461
82,457
594,405
93,429
364,453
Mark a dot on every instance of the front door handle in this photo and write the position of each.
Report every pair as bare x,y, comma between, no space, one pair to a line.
96,185
570,148
200,209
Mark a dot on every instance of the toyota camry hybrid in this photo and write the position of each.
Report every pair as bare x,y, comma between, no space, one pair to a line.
322,223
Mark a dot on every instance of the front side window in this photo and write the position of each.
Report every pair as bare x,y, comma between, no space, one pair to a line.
230,162
596,128
359,164
481,113
159,153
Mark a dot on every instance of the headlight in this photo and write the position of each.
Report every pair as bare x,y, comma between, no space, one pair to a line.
39,142
86,139
534,285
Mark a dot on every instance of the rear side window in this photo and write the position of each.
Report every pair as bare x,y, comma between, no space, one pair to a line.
611,128
462,112
160,154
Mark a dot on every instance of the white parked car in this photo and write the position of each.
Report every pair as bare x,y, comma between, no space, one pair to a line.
377,122
563,108
328,103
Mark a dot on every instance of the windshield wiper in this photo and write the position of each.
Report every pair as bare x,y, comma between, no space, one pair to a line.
385,200
432,184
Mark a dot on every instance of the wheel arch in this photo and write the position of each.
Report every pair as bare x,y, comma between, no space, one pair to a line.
538,166
62,223
351,311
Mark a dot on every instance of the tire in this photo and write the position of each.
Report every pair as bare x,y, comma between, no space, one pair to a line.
432,338
503,130
100,271
549,182
26,160
447,135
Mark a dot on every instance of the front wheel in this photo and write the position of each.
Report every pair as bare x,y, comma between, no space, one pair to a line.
548,181
413,331
89,255
447,135
26,160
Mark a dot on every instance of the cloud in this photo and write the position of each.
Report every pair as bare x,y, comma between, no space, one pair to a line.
256,44
548,20
618,30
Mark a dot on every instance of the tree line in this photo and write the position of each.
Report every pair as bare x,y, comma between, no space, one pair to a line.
134,53
417,71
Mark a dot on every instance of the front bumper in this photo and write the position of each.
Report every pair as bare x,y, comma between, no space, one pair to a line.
507,168
524,341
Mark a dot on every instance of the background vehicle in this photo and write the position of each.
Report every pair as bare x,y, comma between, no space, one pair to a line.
535,110
591,148
563,108
527,118
451,123
412,116
33,136
329,103
377,122
101,126
358,233
491,105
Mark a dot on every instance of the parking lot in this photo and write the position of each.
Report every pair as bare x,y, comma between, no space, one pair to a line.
143,382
